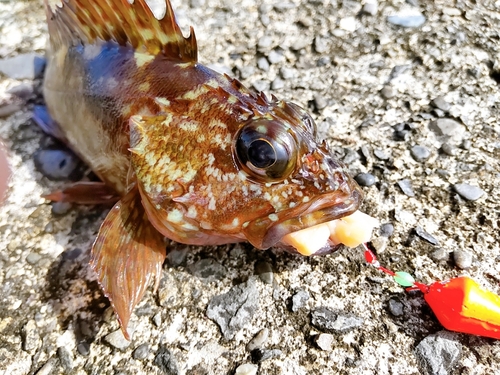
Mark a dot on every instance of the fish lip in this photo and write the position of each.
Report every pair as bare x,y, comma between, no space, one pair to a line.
324,208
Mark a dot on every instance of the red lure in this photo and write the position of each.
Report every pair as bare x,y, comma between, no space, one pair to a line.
460,304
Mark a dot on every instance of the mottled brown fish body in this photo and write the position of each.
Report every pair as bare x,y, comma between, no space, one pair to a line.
194,155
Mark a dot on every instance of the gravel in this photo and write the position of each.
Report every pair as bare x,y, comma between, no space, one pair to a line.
448,57
258,340
420,153
395,307
469,192
386,229
365,179
406,187
410,20
141,352
299,300
265,272
23,66
438,354
166,361
462,258
324,341
234,310
246,369
426,236
441,103
117,340
334,321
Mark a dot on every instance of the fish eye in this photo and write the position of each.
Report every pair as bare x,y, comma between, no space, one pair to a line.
265,150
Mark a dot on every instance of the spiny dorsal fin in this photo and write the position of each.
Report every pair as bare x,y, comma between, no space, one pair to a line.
87,21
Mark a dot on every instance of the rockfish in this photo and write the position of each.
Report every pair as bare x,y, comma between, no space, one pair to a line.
188,153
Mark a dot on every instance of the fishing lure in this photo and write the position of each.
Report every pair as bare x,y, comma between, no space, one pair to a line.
460,304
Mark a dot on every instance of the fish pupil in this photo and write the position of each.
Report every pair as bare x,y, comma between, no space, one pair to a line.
261,154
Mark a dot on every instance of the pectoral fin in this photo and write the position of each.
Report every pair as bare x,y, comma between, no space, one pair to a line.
127,254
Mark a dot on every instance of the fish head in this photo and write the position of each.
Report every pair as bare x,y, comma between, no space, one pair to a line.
220,173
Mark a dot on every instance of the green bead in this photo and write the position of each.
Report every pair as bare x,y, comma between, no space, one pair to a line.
404,279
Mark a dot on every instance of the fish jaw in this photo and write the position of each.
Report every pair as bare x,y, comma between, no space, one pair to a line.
269,231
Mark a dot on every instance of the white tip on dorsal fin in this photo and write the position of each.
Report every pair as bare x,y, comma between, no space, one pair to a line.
137,24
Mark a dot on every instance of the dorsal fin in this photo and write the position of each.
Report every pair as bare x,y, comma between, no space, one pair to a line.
87,21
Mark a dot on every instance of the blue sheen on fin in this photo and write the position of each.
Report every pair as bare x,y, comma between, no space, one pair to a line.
42,118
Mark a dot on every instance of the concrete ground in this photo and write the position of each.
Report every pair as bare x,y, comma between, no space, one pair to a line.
406,94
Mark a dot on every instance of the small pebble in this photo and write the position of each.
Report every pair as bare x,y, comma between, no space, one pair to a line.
406,188
325,319
350,157
380,154
386,229
61,208
325,341
235,309
426,236
274,57
320,45
299,300
261,355
365,179
23,91
65,358
83,348
177,257
396,307
265,272
420,153
261,85
387,92
246,71
277,84
264,42
263,64
409,21
466,144
370,8
323,61
157,319
380,244
23,66
447,127
462,259
56,164
246,369
441,103
348,24
117,340
258,340
141,352
287,73
438,354
33,258
208,269
443,173
320,102
448,149
30,336
440,255
469,192
49,367
165,360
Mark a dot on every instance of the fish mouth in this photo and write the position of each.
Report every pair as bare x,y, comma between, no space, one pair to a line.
269,231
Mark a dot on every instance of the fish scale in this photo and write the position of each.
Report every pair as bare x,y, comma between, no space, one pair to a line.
190,154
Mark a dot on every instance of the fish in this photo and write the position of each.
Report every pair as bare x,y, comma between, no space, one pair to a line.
185,153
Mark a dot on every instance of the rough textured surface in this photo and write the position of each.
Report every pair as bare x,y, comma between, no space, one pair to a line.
322,55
